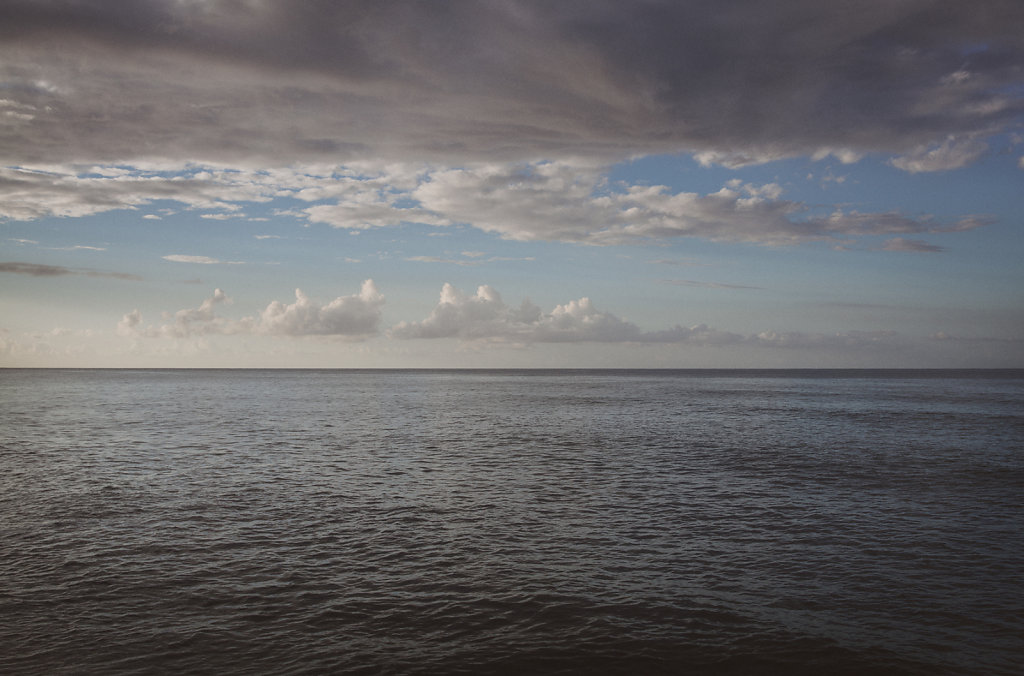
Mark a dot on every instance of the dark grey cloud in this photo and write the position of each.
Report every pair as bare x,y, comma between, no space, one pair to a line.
450,81
41,270
904,244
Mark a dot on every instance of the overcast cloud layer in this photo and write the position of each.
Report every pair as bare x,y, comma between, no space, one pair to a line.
226,81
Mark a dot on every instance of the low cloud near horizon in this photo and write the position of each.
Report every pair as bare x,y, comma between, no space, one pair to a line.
353,317
483,318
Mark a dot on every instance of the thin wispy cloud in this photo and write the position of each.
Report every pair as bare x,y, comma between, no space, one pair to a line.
79,247
201,260
471,259
438,259
903,244
676,262
41,270
707,285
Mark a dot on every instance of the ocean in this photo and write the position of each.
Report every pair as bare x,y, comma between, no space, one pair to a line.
511,522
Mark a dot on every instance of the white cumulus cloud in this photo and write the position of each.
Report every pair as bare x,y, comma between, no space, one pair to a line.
485,317
952,153
353,317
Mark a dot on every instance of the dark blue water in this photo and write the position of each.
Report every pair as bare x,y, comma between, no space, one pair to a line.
428,522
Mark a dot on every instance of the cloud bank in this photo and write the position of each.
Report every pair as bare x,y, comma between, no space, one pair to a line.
544,200
484,317
355,317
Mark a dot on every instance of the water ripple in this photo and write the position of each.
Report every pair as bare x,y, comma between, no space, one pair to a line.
423,523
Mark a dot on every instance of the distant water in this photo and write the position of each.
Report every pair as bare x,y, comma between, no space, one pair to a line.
434,522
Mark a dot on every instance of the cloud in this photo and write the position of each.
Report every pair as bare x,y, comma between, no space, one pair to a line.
202,320
942,336
850,339
438,259
901,244
202,260
503,116
484,317
70,190
46,345
544,200
677,262
354,317
572,203
35,269
451,82
202,315
356,197
968,223
470,259
130,323
707,285
737,159
40,270
953,153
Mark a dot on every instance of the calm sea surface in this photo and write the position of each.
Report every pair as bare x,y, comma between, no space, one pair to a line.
433,522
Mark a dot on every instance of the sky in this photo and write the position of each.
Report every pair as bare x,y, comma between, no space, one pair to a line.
512,183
